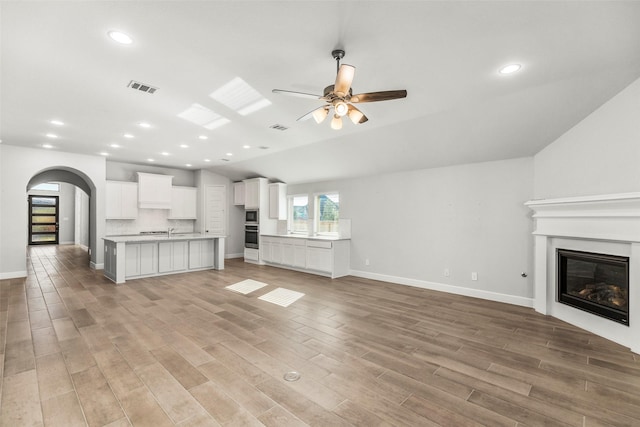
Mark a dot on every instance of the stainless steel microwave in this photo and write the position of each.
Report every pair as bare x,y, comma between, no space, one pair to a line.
251,217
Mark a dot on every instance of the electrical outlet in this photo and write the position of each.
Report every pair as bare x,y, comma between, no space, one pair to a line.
366,261
446,272
474,276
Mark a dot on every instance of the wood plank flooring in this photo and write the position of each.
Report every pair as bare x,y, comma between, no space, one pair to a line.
77,350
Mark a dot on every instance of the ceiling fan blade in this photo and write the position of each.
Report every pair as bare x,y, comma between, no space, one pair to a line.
344,79
298,94
379,96
319,114
356,116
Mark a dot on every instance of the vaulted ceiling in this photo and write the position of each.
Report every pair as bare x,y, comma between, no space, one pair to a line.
59,63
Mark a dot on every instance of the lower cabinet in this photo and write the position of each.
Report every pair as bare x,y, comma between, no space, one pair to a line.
201,254
328,258
320,256
173,256
141,259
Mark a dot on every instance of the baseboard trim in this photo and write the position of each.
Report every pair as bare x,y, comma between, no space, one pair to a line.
94,266
13,275
457,290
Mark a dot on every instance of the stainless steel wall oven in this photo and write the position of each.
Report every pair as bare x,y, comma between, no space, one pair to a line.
251,236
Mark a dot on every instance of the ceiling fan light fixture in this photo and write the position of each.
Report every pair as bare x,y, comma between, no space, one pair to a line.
355,115
336,122
320,114
341,108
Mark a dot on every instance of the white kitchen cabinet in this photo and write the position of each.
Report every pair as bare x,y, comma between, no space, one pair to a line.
317,256
154,191
256,192
238,193
141,259
252,194
183,203
201,254
278,201
173,256
121,200
320,256
266,243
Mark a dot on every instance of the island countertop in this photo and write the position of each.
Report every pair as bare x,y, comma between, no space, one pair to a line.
133,238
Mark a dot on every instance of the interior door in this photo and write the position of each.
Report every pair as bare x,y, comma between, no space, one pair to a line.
43,220
215,210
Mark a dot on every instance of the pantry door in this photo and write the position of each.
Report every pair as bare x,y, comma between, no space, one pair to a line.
43,220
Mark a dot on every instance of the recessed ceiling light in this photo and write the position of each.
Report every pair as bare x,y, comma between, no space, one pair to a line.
188,165
509,69
144,125
203,137
51,135
120,37
164,153
150,160
56,122
229,154
103,153
184,146
47,146
114,146
128,135
207,160
246,147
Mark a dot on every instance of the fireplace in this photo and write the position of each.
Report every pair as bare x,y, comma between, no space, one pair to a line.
591,225
597,283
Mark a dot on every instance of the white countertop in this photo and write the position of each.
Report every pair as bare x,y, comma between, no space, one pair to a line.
306,237
161,237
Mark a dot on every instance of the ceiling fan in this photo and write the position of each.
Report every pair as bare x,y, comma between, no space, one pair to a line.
339,97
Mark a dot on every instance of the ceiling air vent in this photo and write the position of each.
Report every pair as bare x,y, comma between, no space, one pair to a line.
278,127
142,87
225,160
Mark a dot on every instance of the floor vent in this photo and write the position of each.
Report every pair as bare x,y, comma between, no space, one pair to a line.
142,87
278,127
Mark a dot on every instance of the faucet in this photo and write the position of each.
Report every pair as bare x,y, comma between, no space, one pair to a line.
169,231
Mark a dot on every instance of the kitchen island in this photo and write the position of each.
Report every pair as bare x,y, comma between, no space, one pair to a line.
137,256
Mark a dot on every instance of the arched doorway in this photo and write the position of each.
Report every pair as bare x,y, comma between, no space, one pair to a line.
80,180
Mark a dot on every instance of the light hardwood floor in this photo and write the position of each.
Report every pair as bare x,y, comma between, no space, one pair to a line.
182,350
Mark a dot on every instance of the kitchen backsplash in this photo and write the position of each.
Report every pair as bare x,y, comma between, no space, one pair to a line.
148,220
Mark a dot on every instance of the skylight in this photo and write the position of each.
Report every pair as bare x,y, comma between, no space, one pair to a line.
204,117
239,96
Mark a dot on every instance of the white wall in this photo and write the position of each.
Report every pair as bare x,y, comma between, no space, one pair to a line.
81,218
600,155
17,166
117,171
414,225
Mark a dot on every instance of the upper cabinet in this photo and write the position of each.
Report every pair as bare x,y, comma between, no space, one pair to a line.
278,201
255,192
154,191
121,200
238,193
183,203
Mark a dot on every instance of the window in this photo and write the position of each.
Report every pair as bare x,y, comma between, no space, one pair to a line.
327,208
299,214
47,186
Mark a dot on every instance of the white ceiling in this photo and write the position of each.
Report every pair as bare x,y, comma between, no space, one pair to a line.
58,63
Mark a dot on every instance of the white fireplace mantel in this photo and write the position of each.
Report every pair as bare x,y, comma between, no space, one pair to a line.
602,224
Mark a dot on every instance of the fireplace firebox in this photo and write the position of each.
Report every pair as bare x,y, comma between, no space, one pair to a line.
597,283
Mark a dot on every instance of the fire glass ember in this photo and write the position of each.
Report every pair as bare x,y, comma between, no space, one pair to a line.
597,283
